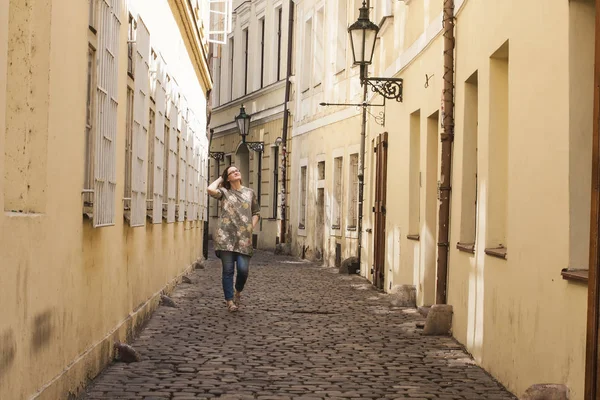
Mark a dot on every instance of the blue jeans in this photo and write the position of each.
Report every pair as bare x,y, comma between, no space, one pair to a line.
229,259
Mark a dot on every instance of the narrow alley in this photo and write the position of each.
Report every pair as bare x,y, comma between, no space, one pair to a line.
302,332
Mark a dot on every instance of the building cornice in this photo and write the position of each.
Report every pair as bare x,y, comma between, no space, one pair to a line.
193,39
252,96
260,6
243,13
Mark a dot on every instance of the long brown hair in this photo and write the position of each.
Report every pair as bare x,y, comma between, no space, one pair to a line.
224,175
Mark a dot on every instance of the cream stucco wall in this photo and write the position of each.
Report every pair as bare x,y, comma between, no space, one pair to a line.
518,317
3,66
68,290
323,144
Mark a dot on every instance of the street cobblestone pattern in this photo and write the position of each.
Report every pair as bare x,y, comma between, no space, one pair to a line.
302,332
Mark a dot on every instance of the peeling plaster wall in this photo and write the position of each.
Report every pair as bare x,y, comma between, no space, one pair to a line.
67,290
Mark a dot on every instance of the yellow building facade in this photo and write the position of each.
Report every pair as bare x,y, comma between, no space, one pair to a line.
520,178
89,235
250,70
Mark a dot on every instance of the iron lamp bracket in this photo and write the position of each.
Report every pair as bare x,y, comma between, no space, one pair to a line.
389,88
256,146
217,155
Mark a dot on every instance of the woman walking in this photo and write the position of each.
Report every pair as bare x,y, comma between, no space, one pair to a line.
233,238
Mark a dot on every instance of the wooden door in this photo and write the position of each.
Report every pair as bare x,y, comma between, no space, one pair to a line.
379,209
592,370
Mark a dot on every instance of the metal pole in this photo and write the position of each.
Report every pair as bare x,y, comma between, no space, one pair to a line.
447,137
361,161
364,72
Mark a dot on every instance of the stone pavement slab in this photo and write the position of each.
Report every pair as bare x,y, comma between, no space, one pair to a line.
302,332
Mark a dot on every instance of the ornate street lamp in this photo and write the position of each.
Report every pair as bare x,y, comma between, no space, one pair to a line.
243,123
363,34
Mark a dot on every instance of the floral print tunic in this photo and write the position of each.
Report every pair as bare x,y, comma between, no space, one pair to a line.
235,224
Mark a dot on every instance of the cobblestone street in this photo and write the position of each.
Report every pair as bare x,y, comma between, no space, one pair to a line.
302,332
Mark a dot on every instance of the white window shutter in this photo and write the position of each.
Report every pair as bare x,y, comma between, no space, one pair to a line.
107,103
159,147
141,104
172,180
203,156
182,167
191,175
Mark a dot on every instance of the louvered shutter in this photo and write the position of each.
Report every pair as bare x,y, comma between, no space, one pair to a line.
199,185
172,163
141,104
109,13
182,166
190,177
159,146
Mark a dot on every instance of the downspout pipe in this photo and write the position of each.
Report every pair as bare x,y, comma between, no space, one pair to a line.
447,138
210,136
286,114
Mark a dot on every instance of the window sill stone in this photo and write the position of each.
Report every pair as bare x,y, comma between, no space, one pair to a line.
466,247
498,252
575,275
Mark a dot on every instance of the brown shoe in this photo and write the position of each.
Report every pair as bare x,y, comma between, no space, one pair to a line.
231,307
237,298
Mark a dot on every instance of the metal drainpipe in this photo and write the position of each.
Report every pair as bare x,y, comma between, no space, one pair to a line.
447,137
206,224
284,138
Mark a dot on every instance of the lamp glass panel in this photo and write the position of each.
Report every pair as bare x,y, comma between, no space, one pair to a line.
356,38
370,36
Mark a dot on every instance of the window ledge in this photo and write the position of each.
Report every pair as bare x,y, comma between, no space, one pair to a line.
466,247
575,275
413,237
498,252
